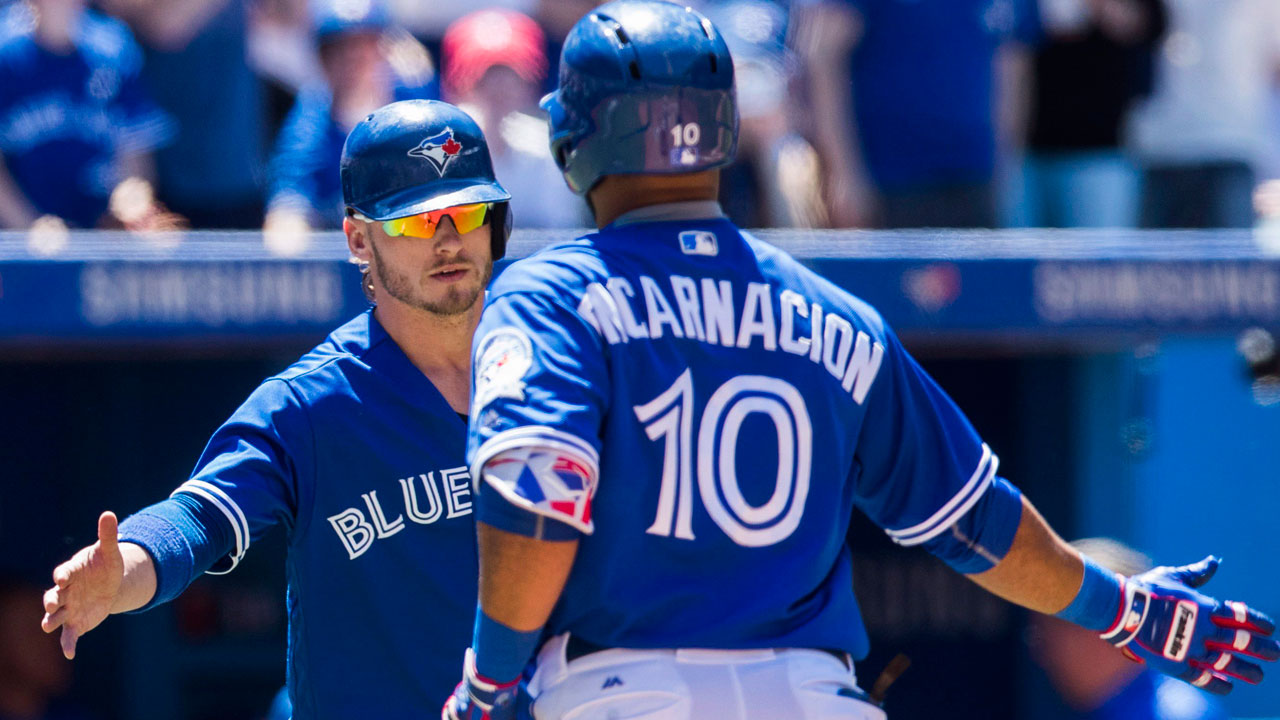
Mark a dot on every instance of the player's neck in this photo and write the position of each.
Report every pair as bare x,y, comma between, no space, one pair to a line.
620,194
439,346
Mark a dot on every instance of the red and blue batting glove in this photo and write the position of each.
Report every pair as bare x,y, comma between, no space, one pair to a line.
1166,623
479,698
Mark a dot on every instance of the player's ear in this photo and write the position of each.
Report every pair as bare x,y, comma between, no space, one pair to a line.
357,239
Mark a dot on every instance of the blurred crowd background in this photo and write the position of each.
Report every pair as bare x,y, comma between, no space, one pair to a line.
216,114
231,114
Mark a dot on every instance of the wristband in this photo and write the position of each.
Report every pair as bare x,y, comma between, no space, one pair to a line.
501,652
1097,603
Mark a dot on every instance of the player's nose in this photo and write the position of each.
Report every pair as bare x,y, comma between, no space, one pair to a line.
447,240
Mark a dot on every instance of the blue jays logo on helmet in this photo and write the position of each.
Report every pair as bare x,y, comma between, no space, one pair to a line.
439,150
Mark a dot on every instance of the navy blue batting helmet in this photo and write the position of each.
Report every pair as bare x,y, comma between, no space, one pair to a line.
645,87
413,156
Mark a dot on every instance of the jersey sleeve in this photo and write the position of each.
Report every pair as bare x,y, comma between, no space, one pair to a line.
920,465
539,396
251,472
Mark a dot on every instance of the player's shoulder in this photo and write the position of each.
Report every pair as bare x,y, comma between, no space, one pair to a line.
787,273
560,271
108,41
343,351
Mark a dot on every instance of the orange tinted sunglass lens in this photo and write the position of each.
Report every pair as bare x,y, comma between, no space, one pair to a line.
423,225
419,226
465,217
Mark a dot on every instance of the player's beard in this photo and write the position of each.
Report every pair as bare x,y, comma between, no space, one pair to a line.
402,287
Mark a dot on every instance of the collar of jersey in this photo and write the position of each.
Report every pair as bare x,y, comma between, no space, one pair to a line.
667,212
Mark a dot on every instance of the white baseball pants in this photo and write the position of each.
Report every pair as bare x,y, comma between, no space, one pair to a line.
618,684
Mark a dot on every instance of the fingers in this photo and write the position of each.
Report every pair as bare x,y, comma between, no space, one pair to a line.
108,529
68,642
52,621
62,574
1232,614
1197,574
1231,666
1207,680
1243,642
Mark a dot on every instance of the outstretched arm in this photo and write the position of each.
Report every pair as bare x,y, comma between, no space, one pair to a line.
1041,571
105,578
1158,617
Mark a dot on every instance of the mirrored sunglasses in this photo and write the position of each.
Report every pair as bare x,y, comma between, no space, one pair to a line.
423,225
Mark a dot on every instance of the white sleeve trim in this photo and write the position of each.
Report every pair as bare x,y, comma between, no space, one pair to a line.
229,508
956,507
534,436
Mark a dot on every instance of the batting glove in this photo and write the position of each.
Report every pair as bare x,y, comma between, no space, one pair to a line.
1165,622
479,698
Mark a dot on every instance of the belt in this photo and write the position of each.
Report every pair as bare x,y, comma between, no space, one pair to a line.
575,648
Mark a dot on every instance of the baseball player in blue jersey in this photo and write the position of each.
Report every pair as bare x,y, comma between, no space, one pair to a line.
357,449
672,423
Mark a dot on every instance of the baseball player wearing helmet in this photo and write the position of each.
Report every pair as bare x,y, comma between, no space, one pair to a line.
356,449
674,421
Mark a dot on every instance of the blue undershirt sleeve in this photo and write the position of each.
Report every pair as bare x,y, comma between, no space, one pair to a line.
980,538
183,537
494,510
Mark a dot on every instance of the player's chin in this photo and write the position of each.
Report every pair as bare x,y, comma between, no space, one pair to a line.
456,298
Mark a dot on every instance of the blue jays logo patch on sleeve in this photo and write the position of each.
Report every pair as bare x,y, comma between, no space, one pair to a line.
504,356
439,150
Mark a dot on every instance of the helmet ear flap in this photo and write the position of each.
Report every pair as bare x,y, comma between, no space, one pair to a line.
500,230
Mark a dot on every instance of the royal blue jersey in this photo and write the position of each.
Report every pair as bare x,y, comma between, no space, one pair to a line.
64,118
357,455
717,412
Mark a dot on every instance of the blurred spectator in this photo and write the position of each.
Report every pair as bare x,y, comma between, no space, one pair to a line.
558,16
75,121
1203,132
197,69
1096,60
494,63
366,64
912,104
763,188
430,20
1094,679
33,674
281,50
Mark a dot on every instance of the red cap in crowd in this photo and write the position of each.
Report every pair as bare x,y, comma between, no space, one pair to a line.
478,41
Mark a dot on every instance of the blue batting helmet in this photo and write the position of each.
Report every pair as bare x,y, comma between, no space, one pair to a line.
645,87
413,156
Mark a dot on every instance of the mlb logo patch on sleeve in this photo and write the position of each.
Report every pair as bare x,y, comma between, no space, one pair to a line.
698,242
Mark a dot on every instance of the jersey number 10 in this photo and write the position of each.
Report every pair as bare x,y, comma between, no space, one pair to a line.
712,457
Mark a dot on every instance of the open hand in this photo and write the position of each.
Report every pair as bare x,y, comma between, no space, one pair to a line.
86,587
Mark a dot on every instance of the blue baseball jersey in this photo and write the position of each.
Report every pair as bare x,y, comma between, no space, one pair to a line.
360,458
707,412
65,118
